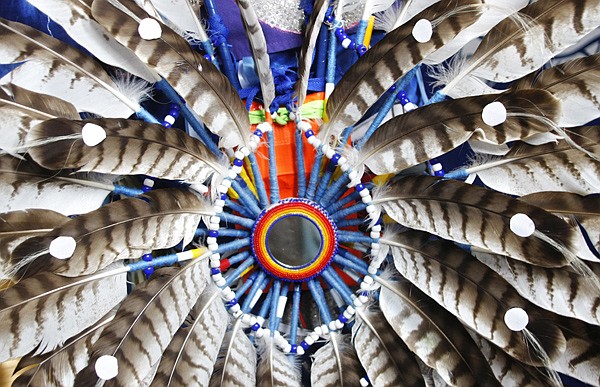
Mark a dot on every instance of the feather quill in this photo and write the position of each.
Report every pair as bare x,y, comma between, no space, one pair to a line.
479,217
423,326
148,310
511,50
576,84
433,130
237,361
205,89
480,297
62,71
26,185
127,228
551,167
60,367
191,355
275,369
335,364
386,62
259,51
308,48
45,310
130,148
387,361
75,16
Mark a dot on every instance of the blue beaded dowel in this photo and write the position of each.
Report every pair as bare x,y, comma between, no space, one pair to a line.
235,274
275,293
223,232
233,245
319,297
244,222
344,291
300,164
246,197
295,313
341,214
261,190
274,182
338,259
345,236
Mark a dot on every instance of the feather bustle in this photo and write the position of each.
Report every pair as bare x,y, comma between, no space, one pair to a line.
336,364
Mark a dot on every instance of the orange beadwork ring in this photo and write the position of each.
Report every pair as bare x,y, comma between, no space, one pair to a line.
288,266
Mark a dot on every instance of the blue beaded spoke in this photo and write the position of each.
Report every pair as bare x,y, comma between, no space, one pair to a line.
341,214
244,222
335,282
247,284
246,197
345,236
258,181
275,293
237,272
258,285
349,264
295,314
224,232
314,175
233,245
273,180
234,206
300,164
317,292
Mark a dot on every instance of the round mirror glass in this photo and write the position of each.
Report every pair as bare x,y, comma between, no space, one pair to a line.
294,241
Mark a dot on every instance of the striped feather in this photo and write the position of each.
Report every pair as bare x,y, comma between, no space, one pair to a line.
275,368
204,88
433,130
184,15
130,148
75,16
389,60
45,310
511,50
473,293
387,361
190,356
585,209
551,167
308,48
146,322
576,84
258,44
580,360
26,185
61,71
127,228
236,364
422,325
58,369
335,364
559,291
477,216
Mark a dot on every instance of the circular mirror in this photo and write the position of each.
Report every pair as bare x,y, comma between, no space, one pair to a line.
294,241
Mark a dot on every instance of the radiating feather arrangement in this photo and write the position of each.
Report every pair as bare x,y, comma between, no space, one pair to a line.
433,221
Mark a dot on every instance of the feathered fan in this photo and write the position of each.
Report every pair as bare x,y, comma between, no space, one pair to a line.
141,248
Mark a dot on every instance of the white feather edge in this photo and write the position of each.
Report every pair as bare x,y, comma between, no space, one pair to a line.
181,14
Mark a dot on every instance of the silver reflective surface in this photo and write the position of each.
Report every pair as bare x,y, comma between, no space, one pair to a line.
294,241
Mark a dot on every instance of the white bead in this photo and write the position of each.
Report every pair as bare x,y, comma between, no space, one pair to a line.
299,350
325,329
218,209
346,43
213,226
211,240
170,119
215,263
319,330
347,314
352,184
325,149
292,116
364,382
262,332
372,270
409,107
522,225
366,199
264,127
235,308
344,167
92,134
237,313
342,160
215,219
304,126
149,182
213,246
365,286
238,155
222,188
371,209
226,183
149,29
311,140
516,319
219,202
231,174
308,340
375,234
199,188
352,175
376,228
246,319
364,192
330,152
332,326
436,167
363,299
368,279
255,138
357,303
237,169
245,151
317,143
62,247
215,256
422,31
106,367
253,145
338,324
350,310
228,294
314,336
494,113
217,277
260,320
287,348
221,283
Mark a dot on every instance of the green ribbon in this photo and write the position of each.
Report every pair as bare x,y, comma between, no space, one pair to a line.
310,110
